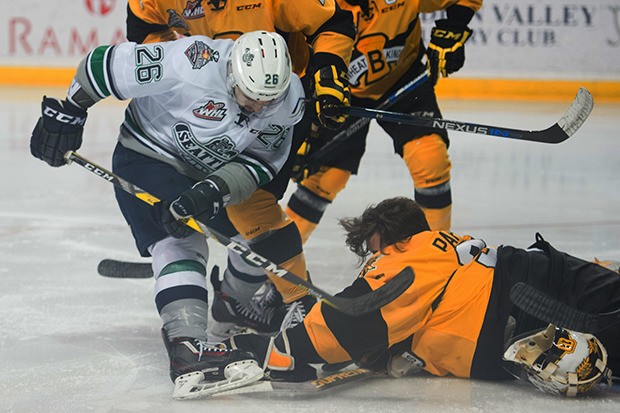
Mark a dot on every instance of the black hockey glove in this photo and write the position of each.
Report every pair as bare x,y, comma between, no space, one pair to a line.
332,93
204,201
446,51
302,168
58,131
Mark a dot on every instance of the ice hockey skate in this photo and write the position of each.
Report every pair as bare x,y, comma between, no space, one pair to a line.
199,369
297,311
263,313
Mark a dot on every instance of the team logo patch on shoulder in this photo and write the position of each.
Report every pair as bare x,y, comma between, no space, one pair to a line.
193,10
211,111
199,54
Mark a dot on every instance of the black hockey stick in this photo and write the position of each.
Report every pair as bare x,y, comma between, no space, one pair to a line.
352,306
572,120
538,304
343,135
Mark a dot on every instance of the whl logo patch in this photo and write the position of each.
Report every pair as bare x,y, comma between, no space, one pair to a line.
205,157
193,10
211,111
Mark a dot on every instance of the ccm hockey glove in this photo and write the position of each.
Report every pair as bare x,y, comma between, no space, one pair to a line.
331,93
446,52
204,201
58,130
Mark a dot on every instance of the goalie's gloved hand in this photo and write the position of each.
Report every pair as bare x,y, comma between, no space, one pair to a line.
58,131
446,51
331,94
302,167
204,201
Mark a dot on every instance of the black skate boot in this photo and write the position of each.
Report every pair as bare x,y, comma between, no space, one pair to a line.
190,354
200,369
263,314
297,311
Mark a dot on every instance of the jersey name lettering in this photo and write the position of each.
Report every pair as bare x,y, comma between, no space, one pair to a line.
204,157
446,239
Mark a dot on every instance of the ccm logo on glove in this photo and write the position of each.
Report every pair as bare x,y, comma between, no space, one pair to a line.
64,117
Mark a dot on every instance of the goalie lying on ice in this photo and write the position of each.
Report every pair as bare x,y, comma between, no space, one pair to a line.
456,318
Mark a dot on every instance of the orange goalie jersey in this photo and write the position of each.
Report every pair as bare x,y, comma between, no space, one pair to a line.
443,309
388,41
320,24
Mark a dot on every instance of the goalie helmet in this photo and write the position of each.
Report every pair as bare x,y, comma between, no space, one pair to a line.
560,361
260,66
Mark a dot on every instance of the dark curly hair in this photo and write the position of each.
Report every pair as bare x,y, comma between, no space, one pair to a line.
394,219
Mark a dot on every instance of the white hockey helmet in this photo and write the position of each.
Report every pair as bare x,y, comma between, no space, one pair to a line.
560,361
260,66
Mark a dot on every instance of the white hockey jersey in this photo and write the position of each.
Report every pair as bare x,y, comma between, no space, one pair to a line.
182,109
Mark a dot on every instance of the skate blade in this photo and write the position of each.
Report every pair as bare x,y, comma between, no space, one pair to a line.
239,374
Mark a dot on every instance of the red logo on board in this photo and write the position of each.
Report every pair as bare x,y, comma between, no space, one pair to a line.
100,7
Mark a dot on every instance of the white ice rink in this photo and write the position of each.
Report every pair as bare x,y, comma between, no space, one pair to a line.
73,341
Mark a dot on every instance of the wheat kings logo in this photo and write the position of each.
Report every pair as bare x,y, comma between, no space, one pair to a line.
205,157
199,54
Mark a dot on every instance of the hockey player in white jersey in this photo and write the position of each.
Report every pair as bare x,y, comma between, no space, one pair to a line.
209,122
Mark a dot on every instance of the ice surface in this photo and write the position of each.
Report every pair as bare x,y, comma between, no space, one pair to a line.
72,341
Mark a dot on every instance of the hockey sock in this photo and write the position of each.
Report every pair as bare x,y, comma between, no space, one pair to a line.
309,202
429,166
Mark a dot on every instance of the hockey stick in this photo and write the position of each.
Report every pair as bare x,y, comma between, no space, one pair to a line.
572,120
352,306
329,382
538,304
360,123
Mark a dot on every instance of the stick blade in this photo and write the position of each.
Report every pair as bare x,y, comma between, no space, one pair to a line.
374,300
538,304
570,122
122,269
578,112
